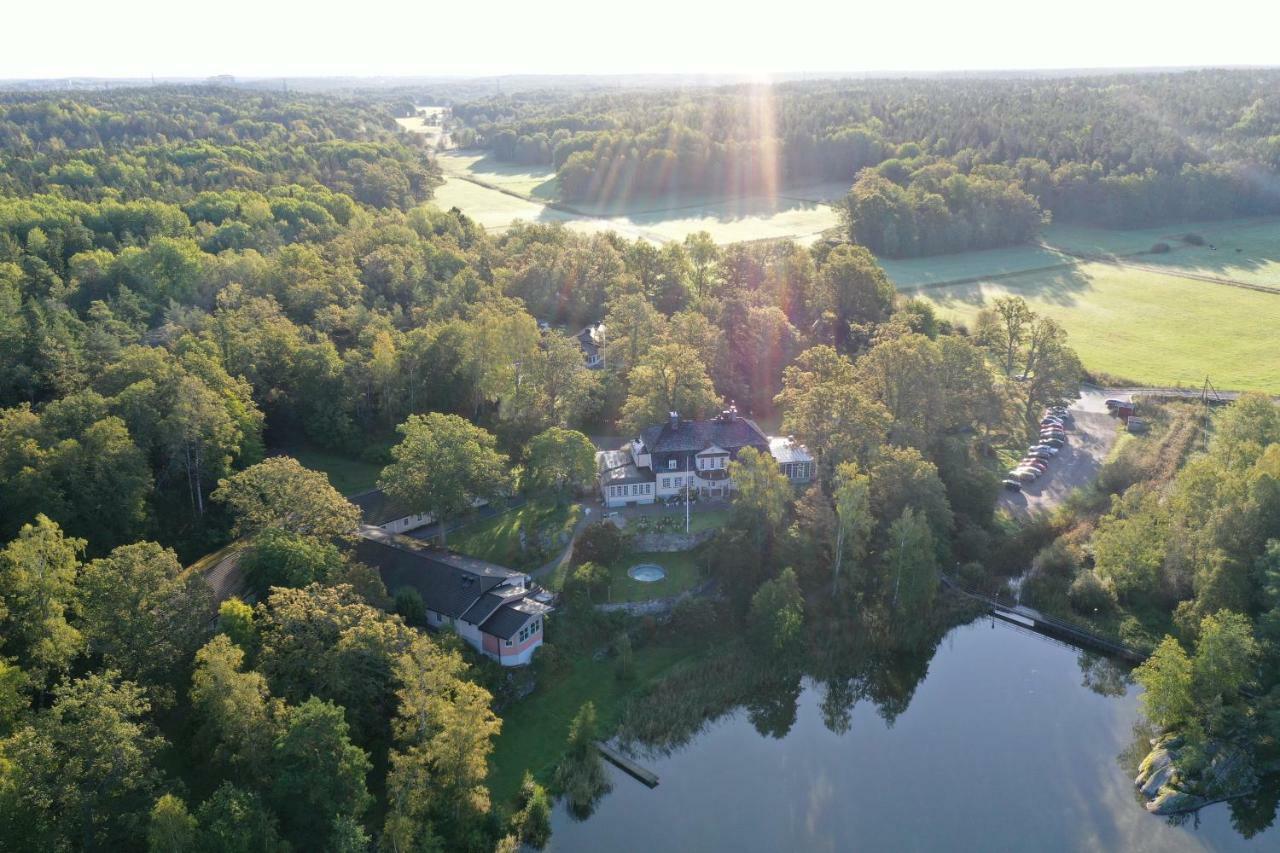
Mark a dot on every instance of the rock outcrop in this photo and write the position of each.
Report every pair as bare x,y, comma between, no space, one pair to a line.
1169,791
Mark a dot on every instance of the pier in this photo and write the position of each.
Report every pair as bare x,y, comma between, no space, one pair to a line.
626,765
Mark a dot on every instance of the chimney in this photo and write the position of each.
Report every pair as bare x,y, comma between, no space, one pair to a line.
674,419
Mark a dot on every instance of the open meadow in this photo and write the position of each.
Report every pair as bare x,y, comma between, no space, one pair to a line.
1142,326
427,122
497,194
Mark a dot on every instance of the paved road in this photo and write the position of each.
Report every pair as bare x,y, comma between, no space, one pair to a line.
1090,436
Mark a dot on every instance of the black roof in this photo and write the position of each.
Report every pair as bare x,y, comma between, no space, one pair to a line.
488,603
510,618
732,432
377,507
449,583
586,340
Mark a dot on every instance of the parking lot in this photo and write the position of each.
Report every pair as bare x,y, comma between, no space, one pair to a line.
1091,433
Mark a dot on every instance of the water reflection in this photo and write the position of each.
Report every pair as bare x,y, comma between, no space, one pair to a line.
985,739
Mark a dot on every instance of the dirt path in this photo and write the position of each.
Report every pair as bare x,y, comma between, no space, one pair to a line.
1090,436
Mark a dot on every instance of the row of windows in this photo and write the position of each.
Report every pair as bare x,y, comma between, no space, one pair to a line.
713,462
677,481
636,489
530,630
798,470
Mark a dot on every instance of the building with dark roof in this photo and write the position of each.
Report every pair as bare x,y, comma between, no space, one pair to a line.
499,611
681,456
378,509
591,342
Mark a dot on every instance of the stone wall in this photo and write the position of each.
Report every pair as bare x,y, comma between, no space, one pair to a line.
655,606
669,542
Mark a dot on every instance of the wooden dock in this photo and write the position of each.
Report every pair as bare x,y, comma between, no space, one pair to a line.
626,765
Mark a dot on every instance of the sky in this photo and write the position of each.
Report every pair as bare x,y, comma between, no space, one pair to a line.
270,38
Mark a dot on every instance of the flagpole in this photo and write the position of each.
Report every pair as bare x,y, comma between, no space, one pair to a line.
688,475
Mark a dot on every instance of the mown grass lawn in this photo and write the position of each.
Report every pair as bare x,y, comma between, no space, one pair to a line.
1143,326
348,475
497,539
535,729
683,568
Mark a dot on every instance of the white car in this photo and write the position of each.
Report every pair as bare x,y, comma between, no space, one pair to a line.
1037,449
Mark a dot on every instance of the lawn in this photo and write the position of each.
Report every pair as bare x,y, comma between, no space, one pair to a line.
1143,326
535,729
349,476
682,568
497,539
798,214
922,272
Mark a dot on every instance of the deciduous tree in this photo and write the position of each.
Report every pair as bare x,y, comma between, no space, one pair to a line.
443,464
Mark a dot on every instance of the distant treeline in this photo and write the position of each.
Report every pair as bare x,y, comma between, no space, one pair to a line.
970,161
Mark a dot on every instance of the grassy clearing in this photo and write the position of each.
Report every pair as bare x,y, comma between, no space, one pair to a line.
1253,236
682,568
497,539
349,476
1152,328
535,729
797,214
922,272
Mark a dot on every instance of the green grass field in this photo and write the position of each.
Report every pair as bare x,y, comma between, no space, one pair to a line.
939,269
497,539
798,214
349,476
535,729
1143,326
683,572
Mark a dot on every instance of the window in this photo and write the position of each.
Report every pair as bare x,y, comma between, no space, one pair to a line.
666,482
671,464
506,643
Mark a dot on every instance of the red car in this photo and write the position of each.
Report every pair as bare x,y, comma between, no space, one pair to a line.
1035,462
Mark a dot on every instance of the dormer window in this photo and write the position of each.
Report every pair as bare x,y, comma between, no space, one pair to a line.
671,464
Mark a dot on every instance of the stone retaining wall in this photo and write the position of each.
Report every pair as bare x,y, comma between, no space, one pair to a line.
669,542
655,606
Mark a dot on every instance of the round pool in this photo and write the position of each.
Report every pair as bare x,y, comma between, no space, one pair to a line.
646,573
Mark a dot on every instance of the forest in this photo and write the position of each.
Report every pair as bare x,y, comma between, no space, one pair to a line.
196,283
965,163
199,283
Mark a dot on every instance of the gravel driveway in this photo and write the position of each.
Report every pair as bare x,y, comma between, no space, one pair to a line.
1090,435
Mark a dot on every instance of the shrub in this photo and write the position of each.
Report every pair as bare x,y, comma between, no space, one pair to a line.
1058,559
695,617
1193,239
625,666
777,614
409,605
601,543
1090,594
586,581
1159,248
549,663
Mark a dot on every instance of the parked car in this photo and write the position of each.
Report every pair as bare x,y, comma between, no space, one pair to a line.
1035,462
1050,422
1011,484
1113,403
1025,475
1061,411
1055,443
1044,451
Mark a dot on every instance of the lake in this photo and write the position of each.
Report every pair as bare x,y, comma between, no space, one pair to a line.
1000,747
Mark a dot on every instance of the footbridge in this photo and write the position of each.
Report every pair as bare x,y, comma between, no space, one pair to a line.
1030,619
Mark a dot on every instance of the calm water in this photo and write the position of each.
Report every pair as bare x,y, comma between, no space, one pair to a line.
1000,748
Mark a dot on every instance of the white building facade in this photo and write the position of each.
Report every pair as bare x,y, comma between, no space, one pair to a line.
691,457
